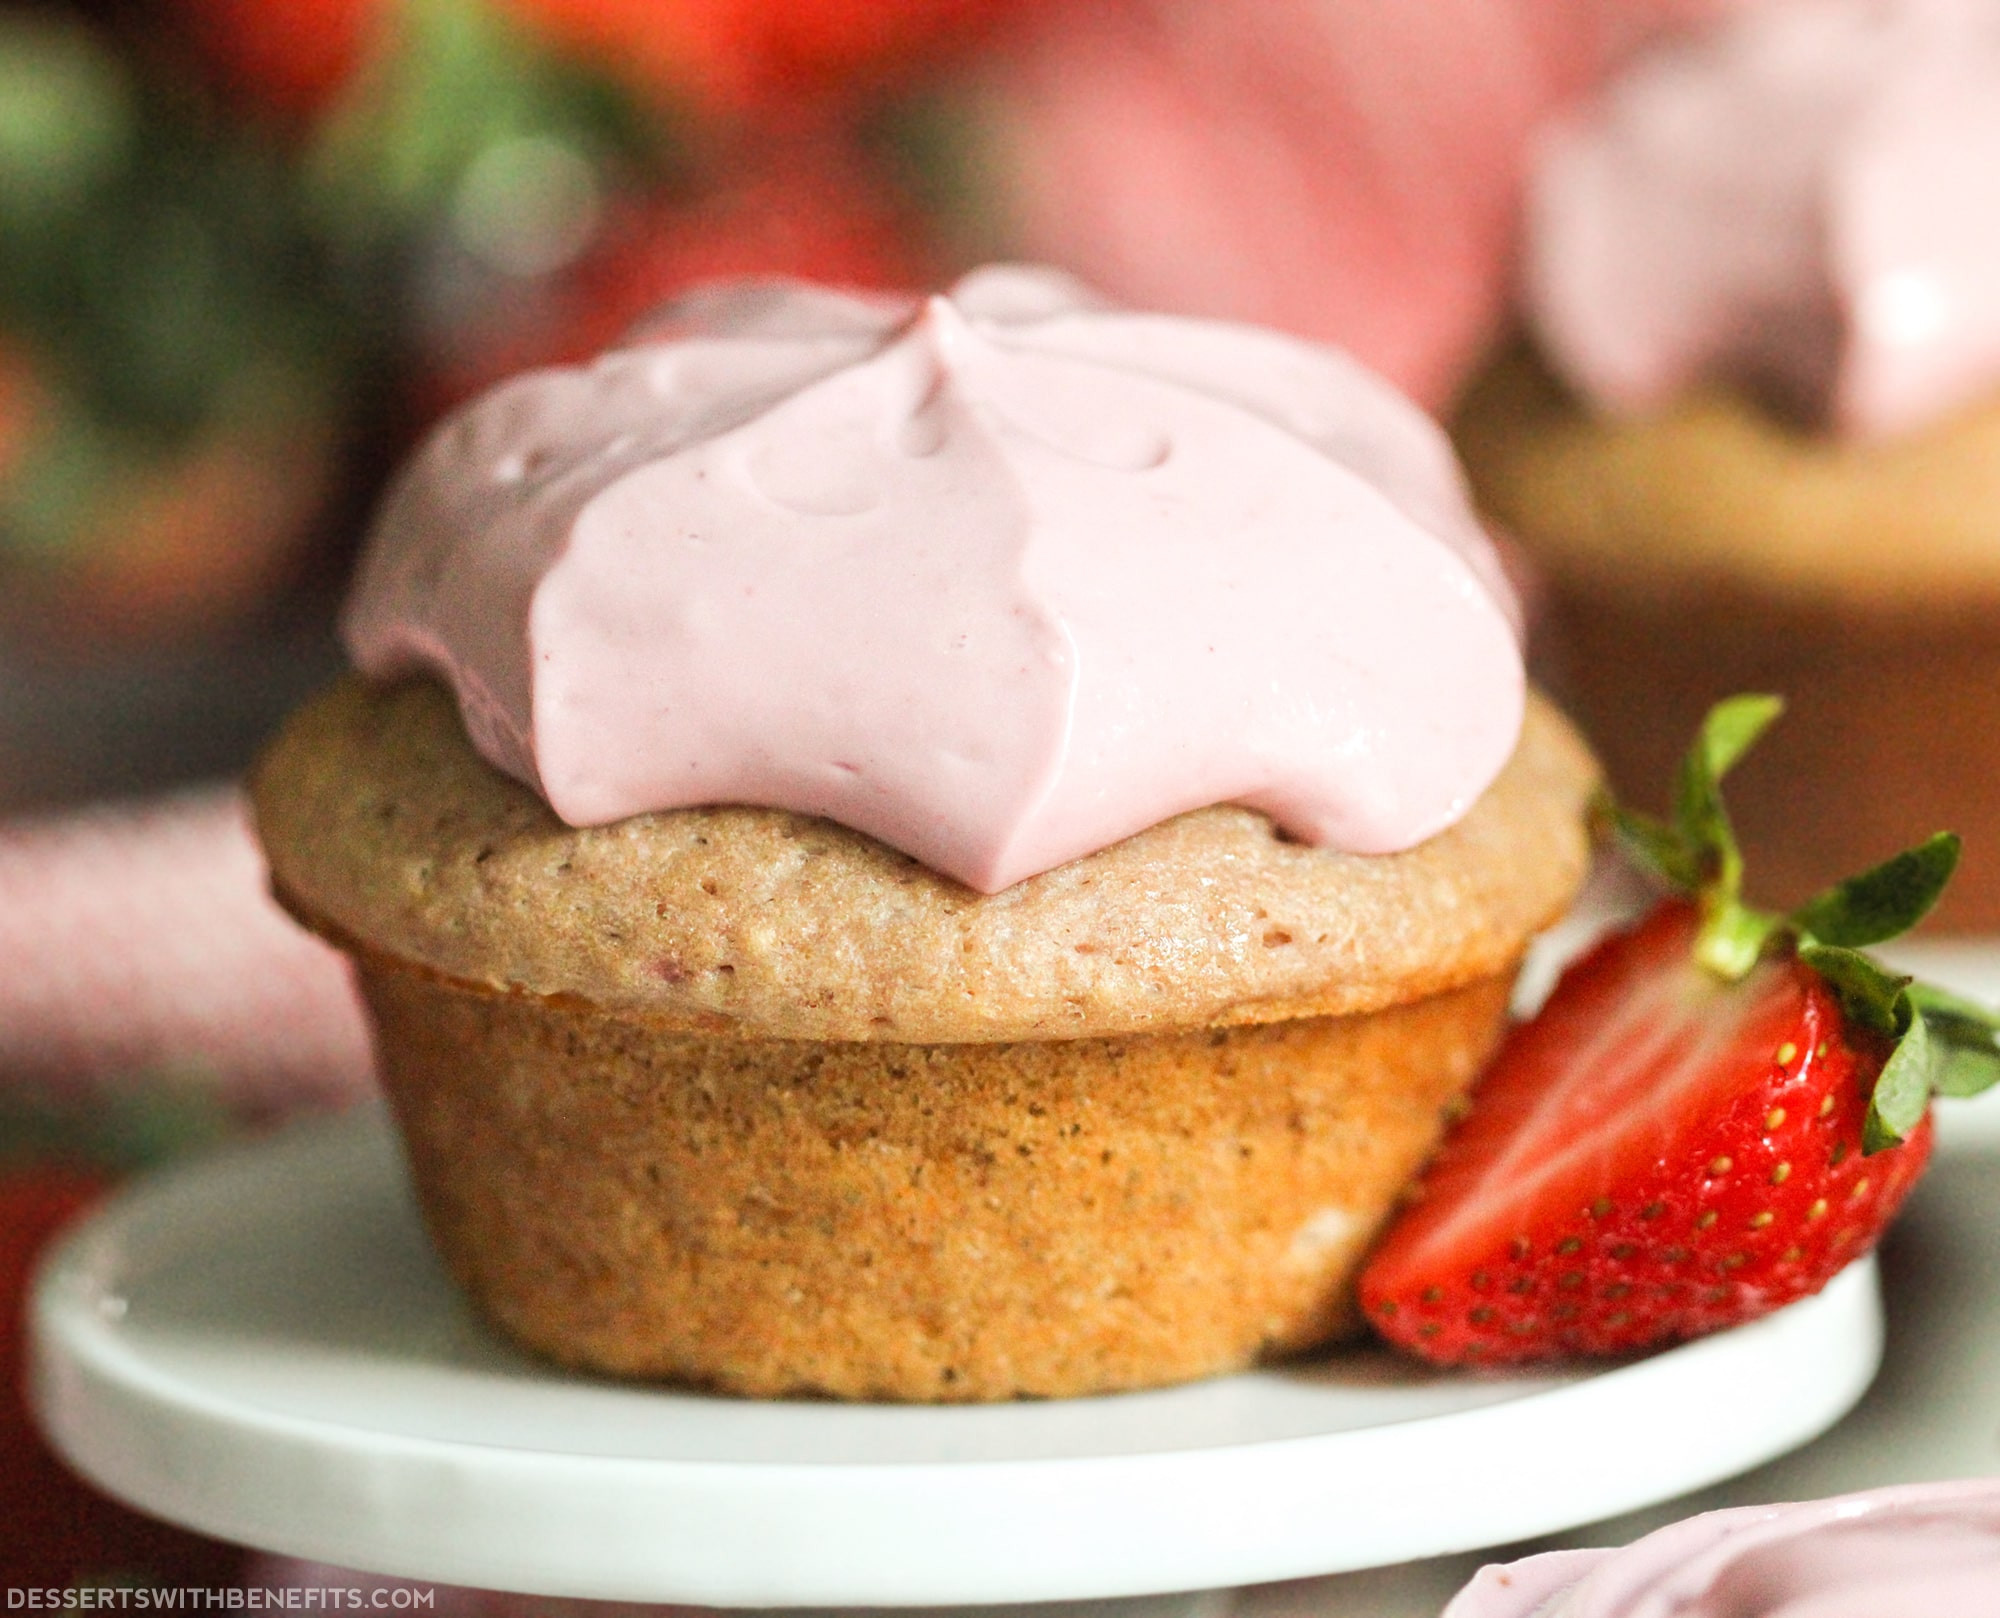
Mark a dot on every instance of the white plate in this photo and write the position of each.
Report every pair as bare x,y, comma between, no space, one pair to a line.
262,1346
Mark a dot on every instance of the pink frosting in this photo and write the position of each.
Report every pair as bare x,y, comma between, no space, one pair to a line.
1928,1550
1806,199
998,578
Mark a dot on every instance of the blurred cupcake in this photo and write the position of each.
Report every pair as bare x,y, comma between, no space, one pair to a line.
1756,444
977,841
1929,1548
1347,172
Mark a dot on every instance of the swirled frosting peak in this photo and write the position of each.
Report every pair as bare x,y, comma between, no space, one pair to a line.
1806,199
999,577
1927,1550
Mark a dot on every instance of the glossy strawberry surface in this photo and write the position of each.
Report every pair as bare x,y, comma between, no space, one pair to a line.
1656,1155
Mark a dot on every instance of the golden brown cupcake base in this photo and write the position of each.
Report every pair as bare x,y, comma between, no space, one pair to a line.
877,1220
743,1098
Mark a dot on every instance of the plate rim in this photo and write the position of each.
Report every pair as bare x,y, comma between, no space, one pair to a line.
904,1532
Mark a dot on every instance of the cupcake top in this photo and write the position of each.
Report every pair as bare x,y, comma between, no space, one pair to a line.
1915,1551
1805,200
386,832
999,578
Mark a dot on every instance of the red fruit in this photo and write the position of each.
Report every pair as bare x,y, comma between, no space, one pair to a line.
1658,1154
293,57
762,52
290,57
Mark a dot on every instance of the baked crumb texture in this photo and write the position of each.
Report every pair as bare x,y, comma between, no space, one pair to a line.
874,1220
383,827
743,1099
1722,492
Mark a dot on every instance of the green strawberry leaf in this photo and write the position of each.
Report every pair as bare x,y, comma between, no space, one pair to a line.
1940,1044
1966,1037
1902,1093
1961,1072
1656,847
1727,733
1697,852
1731,728
1869,993
1883,903
1944,1045
1941,1005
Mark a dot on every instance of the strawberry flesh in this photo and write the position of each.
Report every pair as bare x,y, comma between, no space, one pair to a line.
1658,1154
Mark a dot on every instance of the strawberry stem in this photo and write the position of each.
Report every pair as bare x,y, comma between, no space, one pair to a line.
1939,1044
1732,937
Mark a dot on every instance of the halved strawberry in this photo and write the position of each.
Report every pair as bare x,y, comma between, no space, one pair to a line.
1714,1112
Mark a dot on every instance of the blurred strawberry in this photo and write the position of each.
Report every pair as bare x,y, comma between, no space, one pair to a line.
290,57
114,539
762,52
175,358
813,217
20,398
1345,171
189,544
60,1531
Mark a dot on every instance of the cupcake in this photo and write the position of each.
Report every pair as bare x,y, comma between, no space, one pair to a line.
1754,443
1926,1550
930,850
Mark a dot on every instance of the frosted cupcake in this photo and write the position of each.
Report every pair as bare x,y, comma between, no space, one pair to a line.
1757,443
1928,1550
936,850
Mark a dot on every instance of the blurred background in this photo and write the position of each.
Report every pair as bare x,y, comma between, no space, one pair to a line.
250,248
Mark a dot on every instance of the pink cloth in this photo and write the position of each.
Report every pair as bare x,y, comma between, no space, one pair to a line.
139,939
1347,171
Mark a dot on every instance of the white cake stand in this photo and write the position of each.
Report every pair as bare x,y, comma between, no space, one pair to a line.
261,1346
